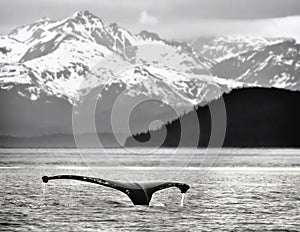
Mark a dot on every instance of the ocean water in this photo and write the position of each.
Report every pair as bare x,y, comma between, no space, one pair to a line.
238,190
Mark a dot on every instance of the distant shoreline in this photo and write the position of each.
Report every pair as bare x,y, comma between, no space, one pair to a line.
128,150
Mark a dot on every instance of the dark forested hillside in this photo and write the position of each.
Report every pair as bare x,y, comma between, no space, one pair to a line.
256,117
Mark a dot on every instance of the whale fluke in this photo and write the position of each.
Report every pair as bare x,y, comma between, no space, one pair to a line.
140,193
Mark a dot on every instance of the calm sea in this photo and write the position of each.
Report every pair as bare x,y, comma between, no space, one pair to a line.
237,190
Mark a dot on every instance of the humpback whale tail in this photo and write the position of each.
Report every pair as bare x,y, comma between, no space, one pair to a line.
140,193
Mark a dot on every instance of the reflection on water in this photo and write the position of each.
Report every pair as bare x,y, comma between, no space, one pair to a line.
182,199
224,199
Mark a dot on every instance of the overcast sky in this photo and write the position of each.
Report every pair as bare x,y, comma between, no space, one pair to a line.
170,18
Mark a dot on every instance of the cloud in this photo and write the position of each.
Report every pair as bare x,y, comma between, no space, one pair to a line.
191,29
146,18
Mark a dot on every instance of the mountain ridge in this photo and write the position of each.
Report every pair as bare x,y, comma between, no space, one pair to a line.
55,52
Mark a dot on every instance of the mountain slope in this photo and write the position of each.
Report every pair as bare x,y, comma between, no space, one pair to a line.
224,47
256,117
59,55
276,65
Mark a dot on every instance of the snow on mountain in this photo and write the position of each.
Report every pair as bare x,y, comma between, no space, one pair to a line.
275,65
170,85
225,47
173,53
25,34
11,50
56,57
13,74
71,62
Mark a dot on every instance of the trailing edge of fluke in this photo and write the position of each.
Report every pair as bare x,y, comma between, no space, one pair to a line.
140,193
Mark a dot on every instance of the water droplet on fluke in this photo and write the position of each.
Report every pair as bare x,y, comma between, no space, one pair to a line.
182,199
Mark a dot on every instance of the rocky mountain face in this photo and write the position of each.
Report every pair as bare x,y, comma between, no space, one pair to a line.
221,48
275,65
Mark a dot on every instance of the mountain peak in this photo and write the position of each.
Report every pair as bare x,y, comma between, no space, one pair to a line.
44,19
113,25
84,13
149,35
86,18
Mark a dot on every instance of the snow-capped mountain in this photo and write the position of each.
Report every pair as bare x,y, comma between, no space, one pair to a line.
58,58
221,48
275,65
55,57
50,66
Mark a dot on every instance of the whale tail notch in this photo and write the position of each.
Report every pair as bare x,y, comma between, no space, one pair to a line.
139,193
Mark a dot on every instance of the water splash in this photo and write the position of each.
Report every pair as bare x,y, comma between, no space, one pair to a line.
182,199
43,189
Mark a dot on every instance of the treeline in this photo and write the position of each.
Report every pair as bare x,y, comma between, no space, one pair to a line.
256,117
